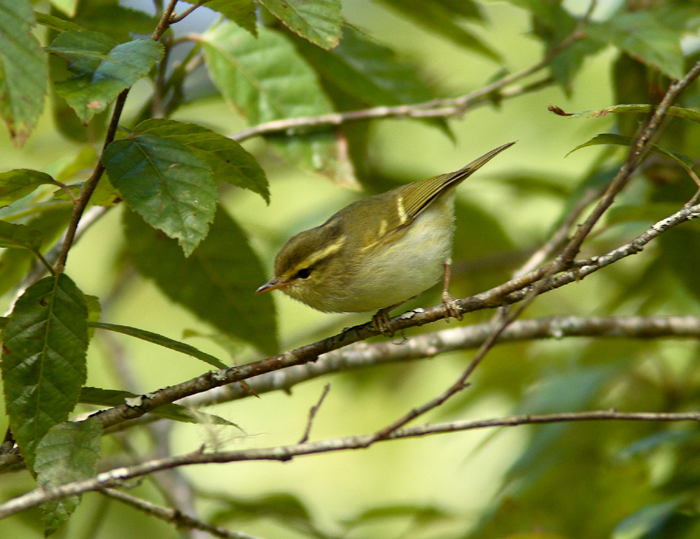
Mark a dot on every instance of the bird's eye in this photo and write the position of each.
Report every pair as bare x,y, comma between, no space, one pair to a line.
302,273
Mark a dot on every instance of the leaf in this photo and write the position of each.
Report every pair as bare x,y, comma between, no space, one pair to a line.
55,23
43,360
228,160
161,340
611,138
19,236
651,212
119,23
643,37
319,21
18,183
216,283
678,112
441,18
680,252
370,72
102,68
647,521
242,12
176,412
263,78
23,70
69,452
166,183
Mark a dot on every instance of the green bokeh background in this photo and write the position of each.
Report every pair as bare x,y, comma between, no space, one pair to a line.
460,473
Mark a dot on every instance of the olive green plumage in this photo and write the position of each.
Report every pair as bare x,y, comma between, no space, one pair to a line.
377,252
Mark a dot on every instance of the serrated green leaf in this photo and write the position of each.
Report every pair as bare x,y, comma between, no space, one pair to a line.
18,183
102,68
176,412
43,360
643,37
166,183
161,340
19,236
319,21
263,78
216,283
69,452
242,12
23,70
228,160
441,18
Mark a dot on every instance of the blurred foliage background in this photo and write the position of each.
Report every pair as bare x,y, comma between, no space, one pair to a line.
624,480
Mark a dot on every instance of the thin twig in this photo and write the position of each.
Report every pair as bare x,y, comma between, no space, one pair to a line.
286,453
436,108
172,516
312,413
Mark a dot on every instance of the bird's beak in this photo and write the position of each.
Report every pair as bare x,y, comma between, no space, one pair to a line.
272,284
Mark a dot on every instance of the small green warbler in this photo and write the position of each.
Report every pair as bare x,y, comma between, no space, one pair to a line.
378,252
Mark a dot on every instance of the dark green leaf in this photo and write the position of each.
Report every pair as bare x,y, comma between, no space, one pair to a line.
43,361
19,236
643,37
647,521
102,68
319,21
652,212
176,412
166,183
263,78
216,283
18,183
161,340
23,70
441,18
554,24
228,160
242,12
680,252
370,72
108,17
69,452
655,441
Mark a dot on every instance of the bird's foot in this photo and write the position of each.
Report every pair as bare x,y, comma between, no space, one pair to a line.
451,307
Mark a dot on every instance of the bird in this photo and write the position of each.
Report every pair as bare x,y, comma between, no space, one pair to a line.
378,252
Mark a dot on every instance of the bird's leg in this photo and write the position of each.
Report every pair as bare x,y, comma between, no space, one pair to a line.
380,321
448,301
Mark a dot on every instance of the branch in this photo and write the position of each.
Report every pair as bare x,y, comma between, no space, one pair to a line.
172,516
507,293
117,476
436,108
363,355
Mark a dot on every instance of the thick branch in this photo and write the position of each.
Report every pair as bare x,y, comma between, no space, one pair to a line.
117,476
